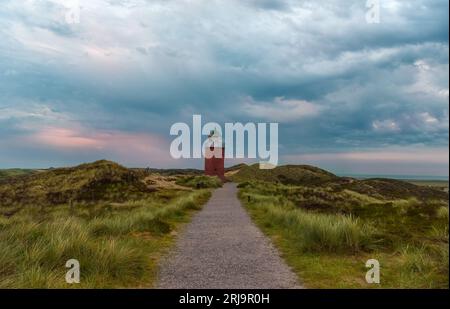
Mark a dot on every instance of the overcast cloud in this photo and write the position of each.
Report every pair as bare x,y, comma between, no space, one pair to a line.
343,90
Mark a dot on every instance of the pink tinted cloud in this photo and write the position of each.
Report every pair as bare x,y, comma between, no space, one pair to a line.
66,138
125,147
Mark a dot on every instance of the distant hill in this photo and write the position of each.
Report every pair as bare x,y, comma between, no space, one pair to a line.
310,176
393,189
236,167
100,180
287,174
13,172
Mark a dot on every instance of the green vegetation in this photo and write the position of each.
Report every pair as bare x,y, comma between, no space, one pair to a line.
120,222
199,181
13,172
327,232
287,174
310,176
104,216
101,180
442,184
392,189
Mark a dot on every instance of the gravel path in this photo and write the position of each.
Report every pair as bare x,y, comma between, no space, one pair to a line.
222,248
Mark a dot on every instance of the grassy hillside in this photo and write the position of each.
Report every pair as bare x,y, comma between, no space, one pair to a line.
286,174
106,216
101,180
310,176
392,189
120,222
327,227
14,172
438,184
326,232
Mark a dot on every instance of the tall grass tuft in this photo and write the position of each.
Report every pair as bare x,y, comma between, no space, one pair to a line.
33,252
320,232
148,220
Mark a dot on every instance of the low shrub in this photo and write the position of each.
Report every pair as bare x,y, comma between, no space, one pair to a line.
321,232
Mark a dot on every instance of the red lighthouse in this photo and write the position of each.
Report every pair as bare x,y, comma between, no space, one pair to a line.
215,156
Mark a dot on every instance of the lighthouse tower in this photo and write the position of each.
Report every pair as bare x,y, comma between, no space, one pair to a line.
215,156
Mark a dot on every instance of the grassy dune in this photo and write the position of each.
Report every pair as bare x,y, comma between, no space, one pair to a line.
326,236
118,246
287,174
120,222
442,184
12,172
101,214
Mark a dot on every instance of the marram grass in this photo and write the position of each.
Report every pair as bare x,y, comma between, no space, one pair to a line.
117,249
327,236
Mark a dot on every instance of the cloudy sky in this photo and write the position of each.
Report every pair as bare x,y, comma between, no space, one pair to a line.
349,96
